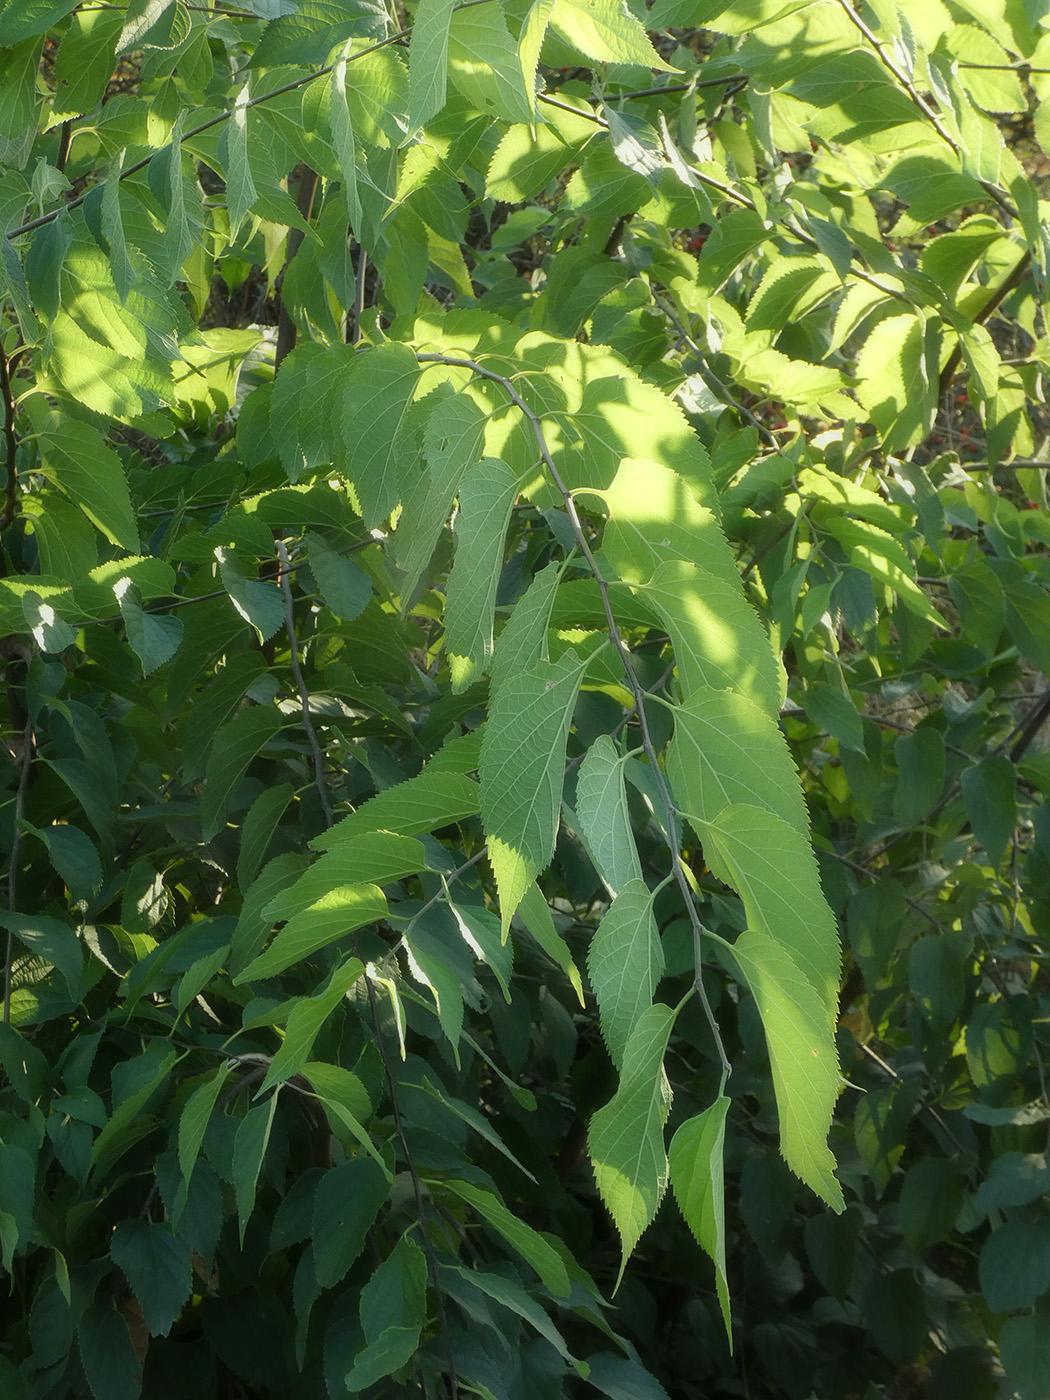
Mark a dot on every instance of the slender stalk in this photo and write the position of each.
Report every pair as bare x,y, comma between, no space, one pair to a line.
25,761
10,442
633,684
297,674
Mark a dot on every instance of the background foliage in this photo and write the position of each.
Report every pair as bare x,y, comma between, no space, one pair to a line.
461,461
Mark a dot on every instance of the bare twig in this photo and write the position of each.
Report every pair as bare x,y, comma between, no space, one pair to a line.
633,684
10,442
297,673
25,761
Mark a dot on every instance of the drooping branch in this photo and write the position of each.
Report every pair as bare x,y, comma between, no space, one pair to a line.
622,650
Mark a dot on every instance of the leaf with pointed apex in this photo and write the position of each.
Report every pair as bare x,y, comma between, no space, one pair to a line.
772,867
433,798
625,964
343,142
605,823
530,42
522,1238
193,1123
452,442
236,744
626,1138
307,1017
802,1054
153,638
727,750
112,1369
76,458
346,1204
249,1149
240,187
374,857
157,1267
607,32
428,61
522,762
375,399
333,916
697,1162
344,586
534,912
484,64
486,497
718,639
257,600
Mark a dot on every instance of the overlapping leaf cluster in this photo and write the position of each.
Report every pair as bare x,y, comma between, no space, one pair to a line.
481,480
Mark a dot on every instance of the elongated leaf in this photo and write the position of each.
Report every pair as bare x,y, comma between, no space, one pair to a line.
522,1238
240,187
193,1123
626,1138
428,61
601,807
377,858
154,639
511,1295
696,1159
772,867
523,640
374,402
802,1054
343,141
522,761
990,793
530,42
345,1207
236,744
486,495
304,1024
431,799
49,939
606,31
727,750
249,1149
625,964
534,912
112,1369
90,473
452,441
718,639
258,601
157,1267
484,64
345,587
333,916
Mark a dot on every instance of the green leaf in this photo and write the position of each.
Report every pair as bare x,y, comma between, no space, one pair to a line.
428,61
331,917
935,974
391,1350
74,856
1015,1265
534,912
1024,1344
522,761
112,1369
377,857
240,187
726,750
626,1138
249,1149
157,1268
260,603
432,799
605,822
258,828
147,1073
696,1159
375,399
802,1054
897,373
43,267
50,633
49,939
886,561
486,496
154,639
453,438
21,19
510,1295
484,65
523,640
343,142
606,31
236,744
304,1024
625,964
989,791
1014,1179
344,587
522,1238
347,1201
76,458
395,1295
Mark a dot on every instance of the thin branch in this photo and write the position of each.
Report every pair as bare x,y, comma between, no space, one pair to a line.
633,684
899,75
10,442
995,300
297,673
25,761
